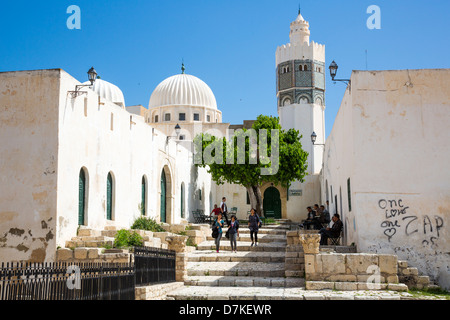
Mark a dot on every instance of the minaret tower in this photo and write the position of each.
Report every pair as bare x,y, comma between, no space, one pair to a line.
301,89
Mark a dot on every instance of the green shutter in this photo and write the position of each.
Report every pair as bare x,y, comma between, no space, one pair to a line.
81,197
163,197
349,196
182,201
109,190
143,191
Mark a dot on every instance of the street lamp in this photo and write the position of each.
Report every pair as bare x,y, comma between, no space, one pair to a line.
92,76
333,71
314,138
177,131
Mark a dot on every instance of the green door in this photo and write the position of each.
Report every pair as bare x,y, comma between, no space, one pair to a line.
163,197
81,197
272,203
143,192
109,191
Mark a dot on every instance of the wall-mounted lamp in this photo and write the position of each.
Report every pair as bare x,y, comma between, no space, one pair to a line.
333,71
177,131
92,75
314,138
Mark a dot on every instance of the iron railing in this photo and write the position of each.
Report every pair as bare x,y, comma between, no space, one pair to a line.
86,281
64,281
154,266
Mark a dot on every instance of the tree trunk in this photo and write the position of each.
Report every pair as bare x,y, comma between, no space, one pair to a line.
256,202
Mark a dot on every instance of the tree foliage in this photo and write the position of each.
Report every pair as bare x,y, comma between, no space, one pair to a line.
227,161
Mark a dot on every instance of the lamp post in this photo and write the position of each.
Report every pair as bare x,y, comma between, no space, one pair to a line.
92,76
314,138
333,71
177,131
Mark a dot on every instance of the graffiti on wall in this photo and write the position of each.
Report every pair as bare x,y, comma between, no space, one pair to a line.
398,219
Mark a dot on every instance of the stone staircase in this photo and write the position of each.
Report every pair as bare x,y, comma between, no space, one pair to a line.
410,276
260,267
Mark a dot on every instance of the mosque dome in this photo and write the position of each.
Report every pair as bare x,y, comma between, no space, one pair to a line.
183,90
108,91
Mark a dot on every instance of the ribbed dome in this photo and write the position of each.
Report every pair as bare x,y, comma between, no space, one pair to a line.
108,91
183,90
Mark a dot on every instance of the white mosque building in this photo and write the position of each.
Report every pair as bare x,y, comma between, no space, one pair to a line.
79,156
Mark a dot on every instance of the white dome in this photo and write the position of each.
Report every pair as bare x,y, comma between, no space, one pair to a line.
108,91
183,90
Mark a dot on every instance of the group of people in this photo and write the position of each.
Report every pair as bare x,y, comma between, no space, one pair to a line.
318,219
254,223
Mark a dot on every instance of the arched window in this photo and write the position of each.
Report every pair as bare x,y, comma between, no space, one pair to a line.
82,197
300,68
305,68
143,196
109,197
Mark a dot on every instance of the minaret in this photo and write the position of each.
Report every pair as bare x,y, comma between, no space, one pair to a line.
301,89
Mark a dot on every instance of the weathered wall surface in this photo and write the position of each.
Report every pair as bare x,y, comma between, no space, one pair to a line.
399,179
28,164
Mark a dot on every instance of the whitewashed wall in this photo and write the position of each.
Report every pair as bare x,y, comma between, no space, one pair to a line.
390,138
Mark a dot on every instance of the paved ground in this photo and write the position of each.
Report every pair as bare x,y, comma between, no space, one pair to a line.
264,293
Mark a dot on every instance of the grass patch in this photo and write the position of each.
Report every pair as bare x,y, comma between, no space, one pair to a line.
433,292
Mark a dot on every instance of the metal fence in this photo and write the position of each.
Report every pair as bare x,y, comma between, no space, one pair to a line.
154,266
89,281
63,281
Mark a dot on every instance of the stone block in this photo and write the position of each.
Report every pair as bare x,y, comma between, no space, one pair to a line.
346,286
423,280
402,264
64,254
392,279
358,263
244,283
93,253
80,253
310,264
397,287
294,273
342,278
261,282
333,263
319,285
388,263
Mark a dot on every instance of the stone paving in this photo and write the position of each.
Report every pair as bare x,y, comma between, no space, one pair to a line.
265,293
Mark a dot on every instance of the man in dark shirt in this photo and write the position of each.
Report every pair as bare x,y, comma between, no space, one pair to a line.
310,220
333,232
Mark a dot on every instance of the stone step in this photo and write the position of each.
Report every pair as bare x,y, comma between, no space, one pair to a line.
219,281
402,264
240,256
238,269
281,232
262,238
89,244
244,246
88,232
92,238
277,293
354,286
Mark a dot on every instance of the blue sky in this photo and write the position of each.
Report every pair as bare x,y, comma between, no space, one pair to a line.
230,44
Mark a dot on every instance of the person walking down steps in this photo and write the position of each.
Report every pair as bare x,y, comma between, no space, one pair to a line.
218,224
233,232
254,223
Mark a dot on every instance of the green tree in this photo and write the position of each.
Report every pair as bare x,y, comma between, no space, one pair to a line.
270,155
